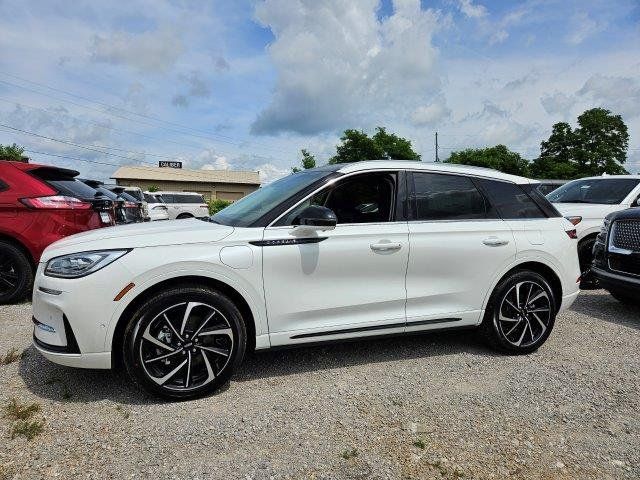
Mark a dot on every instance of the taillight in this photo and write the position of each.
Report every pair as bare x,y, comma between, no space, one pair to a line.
572,233
574,220
130,204
56,202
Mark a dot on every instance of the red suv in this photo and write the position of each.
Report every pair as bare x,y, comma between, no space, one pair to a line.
38,205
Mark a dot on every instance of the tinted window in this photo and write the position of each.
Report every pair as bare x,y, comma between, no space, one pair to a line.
167,198
595,190
189,198
365,198
137,194
447,197
510,200
152,198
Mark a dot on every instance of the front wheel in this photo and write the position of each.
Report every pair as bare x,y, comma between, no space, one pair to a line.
184,342
521,313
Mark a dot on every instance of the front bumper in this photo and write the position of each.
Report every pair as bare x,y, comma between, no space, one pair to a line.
616,282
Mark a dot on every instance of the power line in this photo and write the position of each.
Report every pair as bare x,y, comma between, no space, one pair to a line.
185,129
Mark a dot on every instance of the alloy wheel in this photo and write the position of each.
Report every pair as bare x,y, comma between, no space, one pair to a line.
8,275
186,346
525,314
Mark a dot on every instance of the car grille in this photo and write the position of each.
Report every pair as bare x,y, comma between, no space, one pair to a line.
626,235
625,263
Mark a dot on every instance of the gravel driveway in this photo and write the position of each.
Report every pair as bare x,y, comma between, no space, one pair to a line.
432,406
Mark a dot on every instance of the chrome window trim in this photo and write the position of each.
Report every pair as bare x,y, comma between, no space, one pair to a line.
396,170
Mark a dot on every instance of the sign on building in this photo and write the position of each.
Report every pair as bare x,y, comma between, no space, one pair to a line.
169,164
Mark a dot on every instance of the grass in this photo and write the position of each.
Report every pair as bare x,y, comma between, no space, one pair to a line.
419,443
20,411
27,428
120,409
347,454
13,355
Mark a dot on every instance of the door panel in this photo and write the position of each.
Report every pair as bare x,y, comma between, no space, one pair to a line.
452,265
353,276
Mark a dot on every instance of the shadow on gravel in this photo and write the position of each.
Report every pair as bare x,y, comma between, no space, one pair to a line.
65,384
602,306
289,361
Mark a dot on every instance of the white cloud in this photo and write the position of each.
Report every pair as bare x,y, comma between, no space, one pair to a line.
153,51
431,114
338,65
558,103
619,94
471,10
581,27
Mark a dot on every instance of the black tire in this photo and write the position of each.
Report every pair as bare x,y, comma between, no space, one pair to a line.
585,258
16,274
519,331
208,358
625,298
182,216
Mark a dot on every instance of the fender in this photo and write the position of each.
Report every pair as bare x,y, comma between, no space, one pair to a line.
521,258
221,273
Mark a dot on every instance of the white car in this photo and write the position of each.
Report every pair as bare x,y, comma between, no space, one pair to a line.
587,201
337,252
136,192
157,209
184,205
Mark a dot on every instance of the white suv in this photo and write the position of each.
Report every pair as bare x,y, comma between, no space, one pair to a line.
183,205
333,253
587,201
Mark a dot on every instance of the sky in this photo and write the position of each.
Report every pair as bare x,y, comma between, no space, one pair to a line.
247,84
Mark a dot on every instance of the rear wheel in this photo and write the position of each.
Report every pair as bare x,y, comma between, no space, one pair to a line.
16,275
184,342
521,313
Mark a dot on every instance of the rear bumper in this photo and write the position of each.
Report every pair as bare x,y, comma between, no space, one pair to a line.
567,301
620,283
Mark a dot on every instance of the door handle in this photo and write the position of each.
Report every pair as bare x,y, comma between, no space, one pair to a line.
495,242
385,247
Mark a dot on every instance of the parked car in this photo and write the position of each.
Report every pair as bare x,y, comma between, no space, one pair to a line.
545,187
183,205
133,208
586,202
616,255
40,204
136,193
332,253
119,212
157,209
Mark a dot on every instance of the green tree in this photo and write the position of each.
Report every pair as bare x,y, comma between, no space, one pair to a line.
216,205
498,157
598,145
357,146
154,188
602,141
308,161
11,152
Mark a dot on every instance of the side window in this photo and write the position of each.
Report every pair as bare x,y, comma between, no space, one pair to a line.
510,200
447,197
168,198
364,198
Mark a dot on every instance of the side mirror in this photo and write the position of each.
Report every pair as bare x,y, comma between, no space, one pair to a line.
315,217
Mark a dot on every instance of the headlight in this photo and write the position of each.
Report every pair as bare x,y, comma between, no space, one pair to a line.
80,264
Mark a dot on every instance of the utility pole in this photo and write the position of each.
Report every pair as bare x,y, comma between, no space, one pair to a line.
437,158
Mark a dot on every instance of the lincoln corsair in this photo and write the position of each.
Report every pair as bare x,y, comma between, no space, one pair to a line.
333,253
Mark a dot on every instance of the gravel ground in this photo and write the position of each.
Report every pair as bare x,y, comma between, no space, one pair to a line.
432,406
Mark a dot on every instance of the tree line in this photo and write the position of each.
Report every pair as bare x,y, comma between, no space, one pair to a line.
597,145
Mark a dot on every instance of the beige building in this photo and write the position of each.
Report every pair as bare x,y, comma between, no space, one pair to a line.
213,184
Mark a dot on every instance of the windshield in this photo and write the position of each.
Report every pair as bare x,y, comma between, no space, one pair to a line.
252,207
596,190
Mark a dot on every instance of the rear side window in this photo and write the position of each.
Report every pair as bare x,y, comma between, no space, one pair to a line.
167,198
188,198
510,200
447,197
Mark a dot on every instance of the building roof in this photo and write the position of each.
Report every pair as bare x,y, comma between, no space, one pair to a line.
183,175
430,166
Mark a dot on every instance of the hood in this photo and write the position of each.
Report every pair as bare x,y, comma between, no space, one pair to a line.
586,210
628,214
137,235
